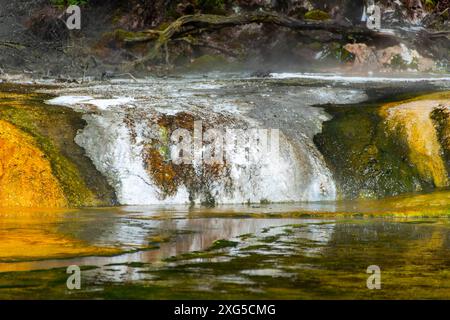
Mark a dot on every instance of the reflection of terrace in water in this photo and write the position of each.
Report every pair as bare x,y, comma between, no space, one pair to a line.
92,233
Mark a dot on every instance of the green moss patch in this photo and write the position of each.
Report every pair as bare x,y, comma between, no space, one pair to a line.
317,15
366,161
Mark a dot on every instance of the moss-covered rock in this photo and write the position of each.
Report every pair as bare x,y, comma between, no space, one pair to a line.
317,15
366,162
49,132
377,151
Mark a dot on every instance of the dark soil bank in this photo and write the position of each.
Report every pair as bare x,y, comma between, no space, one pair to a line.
35,40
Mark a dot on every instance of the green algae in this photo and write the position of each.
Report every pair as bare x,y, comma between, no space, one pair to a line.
366,160
255,247
81,183
441,117
246,236
212,252
420,96
134,264
333,267
223,243
270,239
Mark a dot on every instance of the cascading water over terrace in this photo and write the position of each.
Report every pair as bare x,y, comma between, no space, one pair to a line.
226,134
129,136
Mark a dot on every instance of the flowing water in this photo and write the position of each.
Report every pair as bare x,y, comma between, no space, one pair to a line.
354,184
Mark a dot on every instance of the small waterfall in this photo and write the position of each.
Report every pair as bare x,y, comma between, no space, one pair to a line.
238,141
127,149
130,140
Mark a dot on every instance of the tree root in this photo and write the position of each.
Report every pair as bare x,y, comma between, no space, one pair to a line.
189,24
12,45
186,26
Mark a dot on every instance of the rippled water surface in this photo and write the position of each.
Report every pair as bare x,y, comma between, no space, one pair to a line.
316,250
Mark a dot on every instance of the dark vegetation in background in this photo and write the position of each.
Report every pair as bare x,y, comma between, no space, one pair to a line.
108,25
150,13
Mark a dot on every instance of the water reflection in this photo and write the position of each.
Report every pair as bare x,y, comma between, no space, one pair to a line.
43,239
91,236
325,255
